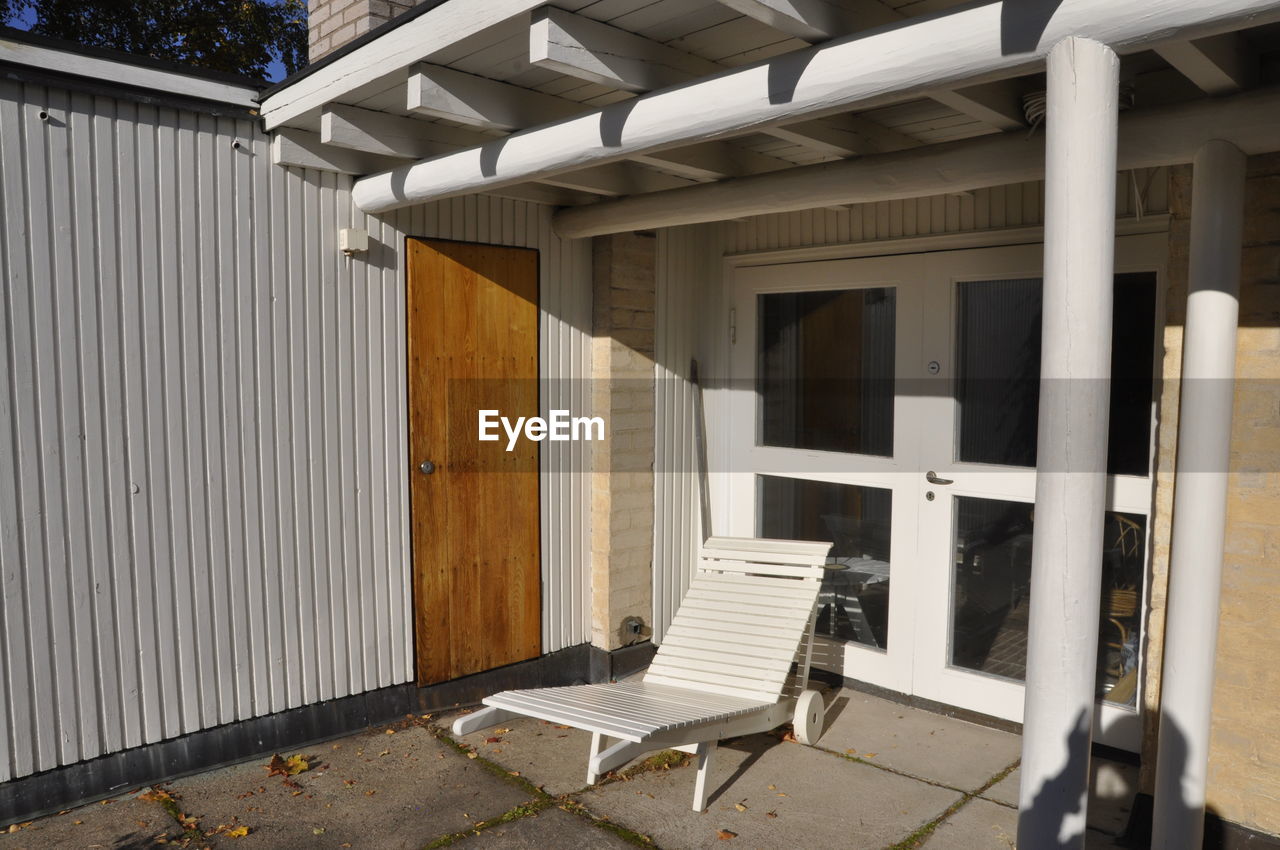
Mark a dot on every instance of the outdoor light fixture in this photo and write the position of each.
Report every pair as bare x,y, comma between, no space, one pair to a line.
353,240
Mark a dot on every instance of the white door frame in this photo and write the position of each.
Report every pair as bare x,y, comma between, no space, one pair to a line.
919,599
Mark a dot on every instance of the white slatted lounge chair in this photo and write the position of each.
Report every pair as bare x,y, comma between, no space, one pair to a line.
723,670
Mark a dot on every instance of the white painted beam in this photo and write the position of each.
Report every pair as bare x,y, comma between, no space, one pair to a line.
1217,65
1201,483
413,41
844,135
972,45
998,104
590,50
1071,454
304,149
480,102
713,161
538,193
616,178
815,20
1149,138
391,135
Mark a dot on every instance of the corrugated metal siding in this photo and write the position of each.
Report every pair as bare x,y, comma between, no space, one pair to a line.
686,290
203,501
1018,204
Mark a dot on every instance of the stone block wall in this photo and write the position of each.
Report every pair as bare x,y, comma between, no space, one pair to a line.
622,390
333,23
1244,765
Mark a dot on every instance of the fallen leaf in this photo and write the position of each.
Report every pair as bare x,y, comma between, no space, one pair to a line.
77,823
501,731
238,832
773,787
513,773
391,731
771,814
493,740
869,755
155,795
370,793
348,782
725,835
740,807
471,755
291,766
780,794
384,753
319,830
790,736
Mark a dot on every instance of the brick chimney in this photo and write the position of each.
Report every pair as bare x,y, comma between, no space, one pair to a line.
332,23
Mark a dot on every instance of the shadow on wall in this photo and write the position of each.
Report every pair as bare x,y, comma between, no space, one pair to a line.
1139,831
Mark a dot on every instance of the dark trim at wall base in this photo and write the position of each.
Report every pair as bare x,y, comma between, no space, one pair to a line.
1219,834
111,775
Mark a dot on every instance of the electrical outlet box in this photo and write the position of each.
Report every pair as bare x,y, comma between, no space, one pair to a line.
353,240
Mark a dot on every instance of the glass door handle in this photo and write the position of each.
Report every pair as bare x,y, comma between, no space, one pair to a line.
932,478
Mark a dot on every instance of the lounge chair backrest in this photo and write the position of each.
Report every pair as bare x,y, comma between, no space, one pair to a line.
745,618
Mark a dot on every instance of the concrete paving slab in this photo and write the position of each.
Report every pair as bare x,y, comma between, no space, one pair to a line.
941,749
817,799
979,825
551,756
983,825
1112,789
389,791
549,828
122,822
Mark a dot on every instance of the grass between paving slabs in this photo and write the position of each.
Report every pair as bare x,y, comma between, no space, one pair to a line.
918,838
542,800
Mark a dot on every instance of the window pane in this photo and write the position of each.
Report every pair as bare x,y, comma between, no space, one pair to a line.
991,594
854,602
825,370
998,371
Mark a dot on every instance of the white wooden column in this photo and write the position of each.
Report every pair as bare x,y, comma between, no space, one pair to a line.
1066,567
1200,494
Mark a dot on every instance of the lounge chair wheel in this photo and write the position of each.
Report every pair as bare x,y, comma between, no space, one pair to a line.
809,717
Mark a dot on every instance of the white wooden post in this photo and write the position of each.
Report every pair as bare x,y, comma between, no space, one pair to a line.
1200,494
1066,568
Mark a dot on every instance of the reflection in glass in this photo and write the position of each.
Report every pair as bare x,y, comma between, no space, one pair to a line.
854,601
998,371
992,592
825,370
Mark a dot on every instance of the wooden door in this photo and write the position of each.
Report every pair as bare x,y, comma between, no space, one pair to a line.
472,345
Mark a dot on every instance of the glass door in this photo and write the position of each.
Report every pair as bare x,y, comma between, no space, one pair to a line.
824,444
978,455
889,405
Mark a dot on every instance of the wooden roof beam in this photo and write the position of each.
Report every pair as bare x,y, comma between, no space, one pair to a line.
997,104
391,135
590,50
843,135
893,64
1147,139
1220,64
304,149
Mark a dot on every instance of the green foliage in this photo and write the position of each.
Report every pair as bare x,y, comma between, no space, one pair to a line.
238,36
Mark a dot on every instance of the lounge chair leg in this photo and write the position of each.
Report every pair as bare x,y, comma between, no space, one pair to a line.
705,750
482,719
598,743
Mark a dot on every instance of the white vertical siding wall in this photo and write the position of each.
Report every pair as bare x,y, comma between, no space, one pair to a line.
203,500
1139,192
687,292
